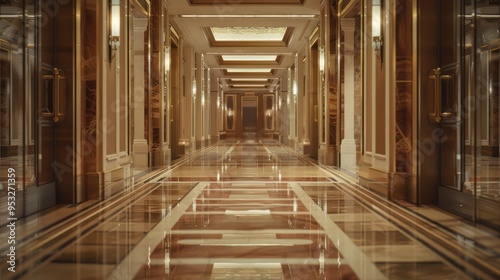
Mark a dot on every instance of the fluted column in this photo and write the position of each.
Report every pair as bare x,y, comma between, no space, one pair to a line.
139,144
348,145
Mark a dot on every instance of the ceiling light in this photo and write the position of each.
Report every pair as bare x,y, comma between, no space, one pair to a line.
248,16
249,86
248,70
249,80
231,57
248,33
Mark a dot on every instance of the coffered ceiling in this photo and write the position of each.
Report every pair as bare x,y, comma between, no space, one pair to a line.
248,44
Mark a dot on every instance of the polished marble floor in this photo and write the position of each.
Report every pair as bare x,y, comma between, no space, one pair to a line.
250,210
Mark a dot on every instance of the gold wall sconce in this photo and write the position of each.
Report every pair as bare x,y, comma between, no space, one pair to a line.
378,39
114,27
194,89
322,59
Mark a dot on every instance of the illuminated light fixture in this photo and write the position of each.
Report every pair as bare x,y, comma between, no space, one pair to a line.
248,86
167,58
295,89
227,34
377,37
322,59
248,16
249,57
249,80
114,26
249,70
194,88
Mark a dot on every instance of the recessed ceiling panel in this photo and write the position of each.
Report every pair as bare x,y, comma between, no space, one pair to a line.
248,70
265,58
249,36
241,34
248,86
243,2
250,59
248,80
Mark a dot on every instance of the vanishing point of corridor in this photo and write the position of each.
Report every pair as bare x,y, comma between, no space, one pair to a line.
248,210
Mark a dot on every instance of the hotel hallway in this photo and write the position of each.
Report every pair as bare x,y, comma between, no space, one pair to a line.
249,210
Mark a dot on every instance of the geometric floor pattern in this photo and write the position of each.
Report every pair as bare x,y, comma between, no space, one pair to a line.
236,210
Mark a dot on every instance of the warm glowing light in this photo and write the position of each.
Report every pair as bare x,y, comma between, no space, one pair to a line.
248,33
167,58
194,88
322,59
248,86
376,18
248,80
249,70
115,18
114,26
249,57
249,16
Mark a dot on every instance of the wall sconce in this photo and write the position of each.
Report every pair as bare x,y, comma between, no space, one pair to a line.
377,37
194,89
294,89
167,59
322,59
114,27
229,113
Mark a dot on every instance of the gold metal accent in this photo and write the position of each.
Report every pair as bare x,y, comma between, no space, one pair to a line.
59,95
437,115
314,36
434,115
143,5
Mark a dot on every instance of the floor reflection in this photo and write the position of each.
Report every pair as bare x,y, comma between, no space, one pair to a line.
238,211
247,231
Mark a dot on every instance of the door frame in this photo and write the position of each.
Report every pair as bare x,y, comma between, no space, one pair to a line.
249,98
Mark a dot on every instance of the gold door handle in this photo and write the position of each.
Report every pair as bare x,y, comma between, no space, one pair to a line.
47,95
435,115
59,95
53,94
441,79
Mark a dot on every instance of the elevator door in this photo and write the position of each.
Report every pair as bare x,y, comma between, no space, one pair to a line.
33,106
249,116
463,108
482,30
446,85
